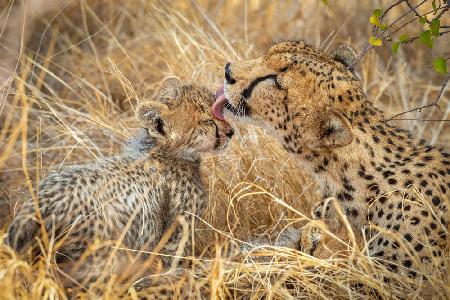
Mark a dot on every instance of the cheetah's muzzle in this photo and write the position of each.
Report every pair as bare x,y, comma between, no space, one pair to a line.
242,109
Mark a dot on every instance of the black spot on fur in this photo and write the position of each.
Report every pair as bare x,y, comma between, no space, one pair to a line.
392,181
436,200
408,237
418,247
415,220
407,263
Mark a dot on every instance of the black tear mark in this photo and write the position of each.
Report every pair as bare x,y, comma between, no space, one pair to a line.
217,141
248,91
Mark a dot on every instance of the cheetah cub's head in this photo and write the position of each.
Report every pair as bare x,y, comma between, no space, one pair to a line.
181,120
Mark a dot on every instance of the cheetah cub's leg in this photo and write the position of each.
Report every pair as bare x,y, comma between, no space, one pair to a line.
180,242
289,238
183,217
91,267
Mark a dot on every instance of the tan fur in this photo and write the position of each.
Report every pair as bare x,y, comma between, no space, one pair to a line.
393,189
132,200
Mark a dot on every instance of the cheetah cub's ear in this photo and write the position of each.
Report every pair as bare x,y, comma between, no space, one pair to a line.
150,116
334,130
170,90
344,54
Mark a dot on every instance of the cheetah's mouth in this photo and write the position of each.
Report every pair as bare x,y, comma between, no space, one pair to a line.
222,103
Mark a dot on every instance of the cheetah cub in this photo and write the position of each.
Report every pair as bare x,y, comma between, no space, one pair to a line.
132,199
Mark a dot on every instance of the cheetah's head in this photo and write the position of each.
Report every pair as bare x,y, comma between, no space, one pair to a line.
181,120
289,88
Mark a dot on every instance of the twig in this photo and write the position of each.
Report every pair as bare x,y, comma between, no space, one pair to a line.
361,54
414,10
411,40
369,46
433,104
447,7
375,28
405,14
387,35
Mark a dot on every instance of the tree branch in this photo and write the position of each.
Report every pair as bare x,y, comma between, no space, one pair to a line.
369,47
389,32
384,37
447,7
433,104
385,12
414,10
410,40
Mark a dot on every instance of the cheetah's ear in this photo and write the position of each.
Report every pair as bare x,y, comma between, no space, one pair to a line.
170,90
150,116
334,130
344,54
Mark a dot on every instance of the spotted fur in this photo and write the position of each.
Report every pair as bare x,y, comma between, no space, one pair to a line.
132,199
392,188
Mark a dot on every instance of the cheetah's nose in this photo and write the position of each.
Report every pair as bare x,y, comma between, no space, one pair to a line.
228,77
230,133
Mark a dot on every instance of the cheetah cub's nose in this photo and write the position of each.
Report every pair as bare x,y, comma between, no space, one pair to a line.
230,133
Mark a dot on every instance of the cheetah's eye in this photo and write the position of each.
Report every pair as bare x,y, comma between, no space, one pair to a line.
284,69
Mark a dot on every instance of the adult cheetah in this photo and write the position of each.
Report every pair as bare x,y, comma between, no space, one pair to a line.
134,198
392,188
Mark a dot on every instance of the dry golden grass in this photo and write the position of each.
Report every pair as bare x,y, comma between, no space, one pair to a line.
73,99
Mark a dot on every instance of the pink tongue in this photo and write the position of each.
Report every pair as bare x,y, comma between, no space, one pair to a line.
217,108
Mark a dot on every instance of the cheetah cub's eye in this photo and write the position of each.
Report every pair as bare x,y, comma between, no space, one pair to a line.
208,126
208,122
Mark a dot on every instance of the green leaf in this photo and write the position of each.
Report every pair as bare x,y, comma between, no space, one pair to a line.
375,17
325,2
425,37
394,47
433,4
383,27
403,38
374,20
375,41
440,65
377,13
423,20
434,26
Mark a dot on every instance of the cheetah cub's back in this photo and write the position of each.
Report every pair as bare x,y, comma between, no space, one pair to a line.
132,199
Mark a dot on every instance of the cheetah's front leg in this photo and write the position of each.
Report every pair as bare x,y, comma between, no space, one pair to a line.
329,234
